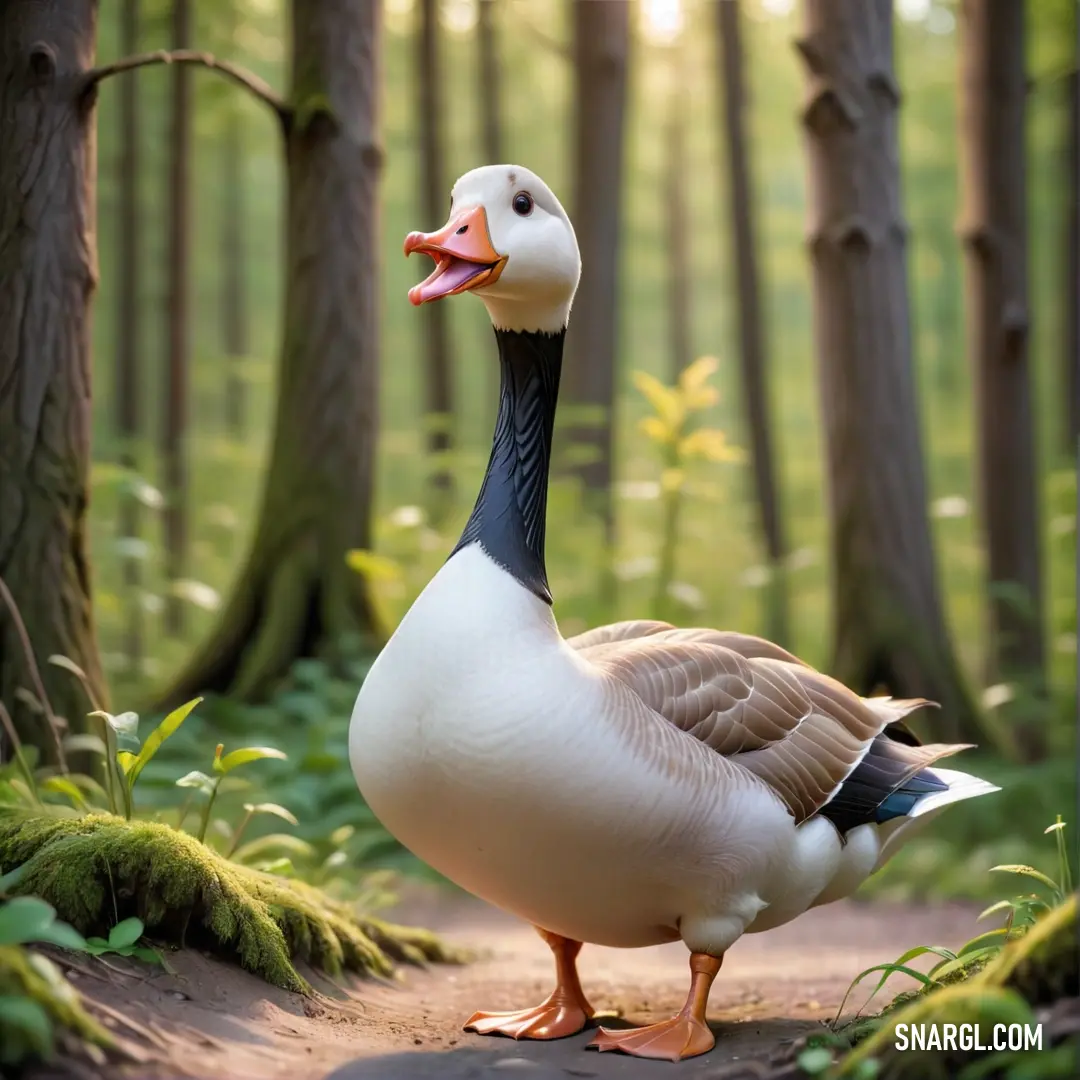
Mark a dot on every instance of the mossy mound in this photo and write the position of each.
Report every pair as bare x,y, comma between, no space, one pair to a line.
28,977
98,869
1033,971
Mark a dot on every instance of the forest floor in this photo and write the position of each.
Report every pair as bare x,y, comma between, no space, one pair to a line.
210,1020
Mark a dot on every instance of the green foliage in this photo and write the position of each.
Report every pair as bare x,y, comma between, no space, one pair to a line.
996,977
675,431
39,1008
35,999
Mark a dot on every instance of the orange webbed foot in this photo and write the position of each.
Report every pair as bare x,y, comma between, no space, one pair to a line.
670,1040
553,1019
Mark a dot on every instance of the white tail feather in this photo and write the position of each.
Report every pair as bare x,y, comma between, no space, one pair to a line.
894,834
961,786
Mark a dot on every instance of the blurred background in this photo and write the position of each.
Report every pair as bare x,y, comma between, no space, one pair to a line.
697,159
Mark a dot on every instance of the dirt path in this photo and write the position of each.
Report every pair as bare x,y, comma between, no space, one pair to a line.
213,1021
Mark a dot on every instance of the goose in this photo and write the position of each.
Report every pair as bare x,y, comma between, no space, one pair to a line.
638,783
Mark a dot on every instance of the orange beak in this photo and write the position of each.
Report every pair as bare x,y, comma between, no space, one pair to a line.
463,254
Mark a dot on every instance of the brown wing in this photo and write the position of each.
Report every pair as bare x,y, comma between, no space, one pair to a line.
619,631
746,645
796,729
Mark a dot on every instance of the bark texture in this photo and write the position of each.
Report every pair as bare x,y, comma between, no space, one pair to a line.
753,359
48,267
993,97
128,383
178,345
295,596
234,298
1071,300
600,50
439,372
889,629
489,84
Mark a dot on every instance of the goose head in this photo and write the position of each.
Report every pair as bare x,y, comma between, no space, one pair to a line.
509,241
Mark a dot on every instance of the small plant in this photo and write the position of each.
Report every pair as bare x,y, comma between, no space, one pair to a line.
951,967
123,941
223,765
672,430
125,759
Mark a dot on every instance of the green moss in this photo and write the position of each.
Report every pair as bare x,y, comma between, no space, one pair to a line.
25,975
98,869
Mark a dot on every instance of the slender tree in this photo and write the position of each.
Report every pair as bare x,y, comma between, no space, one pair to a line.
994,229
489,84
752,352
178,346
127,392
438,378
888,624
234,298
1070,303
601,41
679,305
48,266
296,596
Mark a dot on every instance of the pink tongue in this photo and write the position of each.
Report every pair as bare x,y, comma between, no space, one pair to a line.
457,273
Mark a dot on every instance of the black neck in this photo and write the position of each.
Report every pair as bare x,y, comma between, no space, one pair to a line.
509,517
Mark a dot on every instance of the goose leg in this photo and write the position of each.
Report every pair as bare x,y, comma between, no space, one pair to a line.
684,1035
564,1012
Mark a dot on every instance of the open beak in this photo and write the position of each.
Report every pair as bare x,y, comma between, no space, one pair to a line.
463,254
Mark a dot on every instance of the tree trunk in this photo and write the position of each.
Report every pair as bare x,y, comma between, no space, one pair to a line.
128,389
601,47
752,355
48,266
438,377
1071,299
993,96
296,597
680,349
489,85
175,384
234,301
888,624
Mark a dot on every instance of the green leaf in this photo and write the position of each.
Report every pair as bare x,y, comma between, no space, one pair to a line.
993,909
12,878
1026,871
24,919
148,956
814,1060
61,785
30,1018
126,760
97,943
67,664
169,726
255,849
125,723
282,867
126,933
60,933
235,758
197,780
271,808
89,744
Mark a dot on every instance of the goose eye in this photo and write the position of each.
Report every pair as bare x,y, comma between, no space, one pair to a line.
523,204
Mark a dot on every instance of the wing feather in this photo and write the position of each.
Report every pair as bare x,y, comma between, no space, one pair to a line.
797,730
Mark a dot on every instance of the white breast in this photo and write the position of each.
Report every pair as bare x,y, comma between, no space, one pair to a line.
501,758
